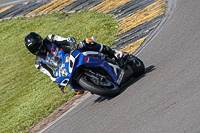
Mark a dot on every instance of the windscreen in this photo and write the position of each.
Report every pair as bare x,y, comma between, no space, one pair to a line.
53,60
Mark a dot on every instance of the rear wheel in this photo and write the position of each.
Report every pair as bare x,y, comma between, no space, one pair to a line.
105,88
137,66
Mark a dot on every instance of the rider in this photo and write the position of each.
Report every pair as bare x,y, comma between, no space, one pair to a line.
41,47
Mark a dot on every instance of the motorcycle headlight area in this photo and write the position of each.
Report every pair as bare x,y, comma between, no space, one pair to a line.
63,72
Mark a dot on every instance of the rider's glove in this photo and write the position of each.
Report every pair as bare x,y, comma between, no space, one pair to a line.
71,39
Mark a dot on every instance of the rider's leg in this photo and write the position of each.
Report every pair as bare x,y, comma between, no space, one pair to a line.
112,52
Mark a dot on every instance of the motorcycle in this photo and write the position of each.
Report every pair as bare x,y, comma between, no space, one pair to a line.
92,71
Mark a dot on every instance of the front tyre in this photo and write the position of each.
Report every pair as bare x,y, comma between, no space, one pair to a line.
106,88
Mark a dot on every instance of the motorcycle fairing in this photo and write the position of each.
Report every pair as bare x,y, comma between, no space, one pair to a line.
71,63
84,59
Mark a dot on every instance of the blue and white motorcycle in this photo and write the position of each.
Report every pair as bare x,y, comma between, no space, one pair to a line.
93,71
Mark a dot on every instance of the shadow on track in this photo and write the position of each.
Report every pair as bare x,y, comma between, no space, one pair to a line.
124,86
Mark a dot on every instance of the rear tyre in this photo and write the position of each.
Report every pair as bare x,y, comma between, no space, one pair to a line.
107,87
137,66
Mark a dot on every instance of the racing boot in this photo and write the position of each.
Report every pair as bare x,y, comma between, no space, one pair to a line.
121,57
118,55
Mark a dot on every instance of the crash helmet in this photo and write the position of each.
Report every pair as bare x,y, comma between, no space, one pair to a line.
33,42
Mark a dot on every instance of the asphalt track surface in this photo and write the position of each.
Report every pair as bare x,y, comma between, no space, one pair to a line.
5,1
164,100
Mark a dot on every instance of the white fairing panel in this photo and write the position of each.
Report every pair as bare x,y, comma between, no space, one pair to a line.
71,63
115,67
64,82
89,52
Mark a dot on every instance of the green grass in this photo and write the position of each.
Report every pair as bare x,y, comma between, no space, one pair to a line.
27,95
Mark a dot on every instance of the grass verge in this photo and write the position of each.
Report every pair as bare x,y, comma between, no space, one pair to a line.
27,95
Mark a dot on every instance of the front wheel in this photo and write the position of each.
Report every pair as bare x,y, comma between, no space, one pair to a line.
105,88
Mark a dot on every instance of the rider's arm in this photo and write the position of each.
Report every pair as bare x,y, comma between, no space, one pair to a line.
58,40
